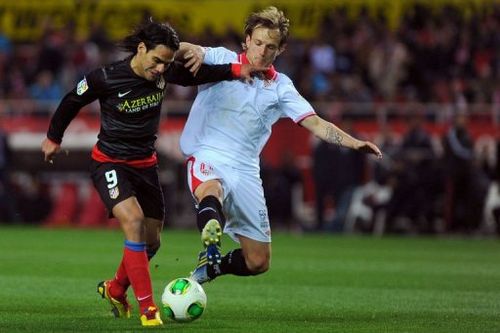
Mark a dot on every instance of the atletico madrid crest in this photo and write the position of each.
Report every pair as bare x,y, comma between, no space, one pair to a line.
114,192
160,83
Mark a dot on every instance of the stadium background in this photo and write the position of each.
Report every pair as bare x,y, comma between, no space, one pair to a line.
381,67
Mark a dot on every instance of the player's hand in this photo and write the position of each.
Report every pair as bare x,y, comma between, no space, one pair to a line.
49,149
194,58
248,71
369,148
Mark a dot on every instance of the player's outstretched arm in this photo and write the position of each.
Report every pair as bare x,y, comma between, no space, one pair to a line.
178,74
330,133
191,55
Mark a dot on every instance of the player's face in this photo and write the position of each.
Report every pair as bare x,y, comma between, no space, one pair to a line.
263,46
154,62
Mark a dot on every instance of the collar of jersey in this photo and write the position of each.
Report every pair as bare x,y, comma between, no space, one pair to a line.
270,74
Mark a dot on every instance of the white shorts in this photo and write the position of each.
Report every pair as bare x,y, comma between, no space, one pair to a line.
244,205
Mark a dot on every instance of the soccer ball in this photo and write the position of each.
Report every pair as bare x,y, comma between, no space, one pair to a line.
183,300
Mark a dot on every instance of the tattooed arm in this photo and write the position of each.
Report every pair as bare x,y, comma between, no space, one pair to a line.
330,133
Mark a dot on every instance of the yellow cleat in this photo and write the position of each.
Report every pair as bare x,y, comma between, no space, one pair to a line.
151,317
211,233
120,309
211,236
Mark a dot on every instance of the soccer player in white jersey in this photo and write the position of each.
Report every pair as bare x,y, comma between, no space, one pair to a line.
229,124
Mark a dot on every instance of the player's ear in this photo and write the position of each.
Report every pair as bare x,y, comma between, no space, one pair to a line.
141,48
248,38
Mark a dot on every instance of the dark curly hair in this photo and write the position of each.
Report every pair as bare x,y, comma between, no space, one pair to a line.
151,34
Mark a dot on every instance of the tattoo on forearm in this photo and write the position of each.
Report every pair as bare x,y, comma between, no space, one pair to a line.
333,136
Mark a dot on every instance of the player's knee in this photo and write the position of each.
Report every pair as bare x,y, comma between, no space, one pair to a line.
258,264
209,188
133,223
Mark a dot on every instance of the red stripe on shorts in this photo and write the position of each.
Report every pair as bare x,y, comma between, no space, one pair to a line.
195,182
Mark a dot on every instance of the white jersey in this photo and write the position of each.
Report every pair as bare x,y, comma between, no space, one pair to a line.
233,119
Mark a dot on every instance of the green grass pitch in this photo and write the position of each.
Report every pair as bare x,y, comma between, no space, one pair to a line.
317,283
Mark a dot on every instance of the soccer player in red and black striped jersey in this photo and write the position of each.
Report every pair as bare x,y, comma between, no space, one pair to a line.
124,163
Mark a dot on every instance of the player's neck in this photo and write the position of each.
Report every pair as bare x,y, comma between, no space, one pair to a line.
135,66
251,62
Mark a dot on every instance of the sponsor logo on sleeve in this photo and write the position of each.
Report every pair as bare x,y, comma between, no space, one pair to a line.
82,86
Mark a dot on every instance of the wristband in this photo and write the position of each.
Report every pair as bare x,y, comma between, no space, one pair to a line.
236,70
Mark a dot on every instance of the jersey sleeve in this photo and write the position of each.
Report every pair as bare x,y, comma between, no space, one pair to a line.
219,55
292,104
86,91
178,74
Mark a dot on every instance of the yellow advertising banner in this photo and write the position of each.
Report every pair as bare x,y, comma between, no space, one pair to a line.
25,20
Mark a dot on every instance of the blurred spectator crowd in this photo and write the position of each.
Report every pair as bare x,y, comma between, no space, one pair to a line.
432,56
422,185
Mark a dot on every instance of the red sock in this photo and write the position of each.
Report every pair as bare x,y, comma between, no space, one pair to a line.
137,267
119,285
